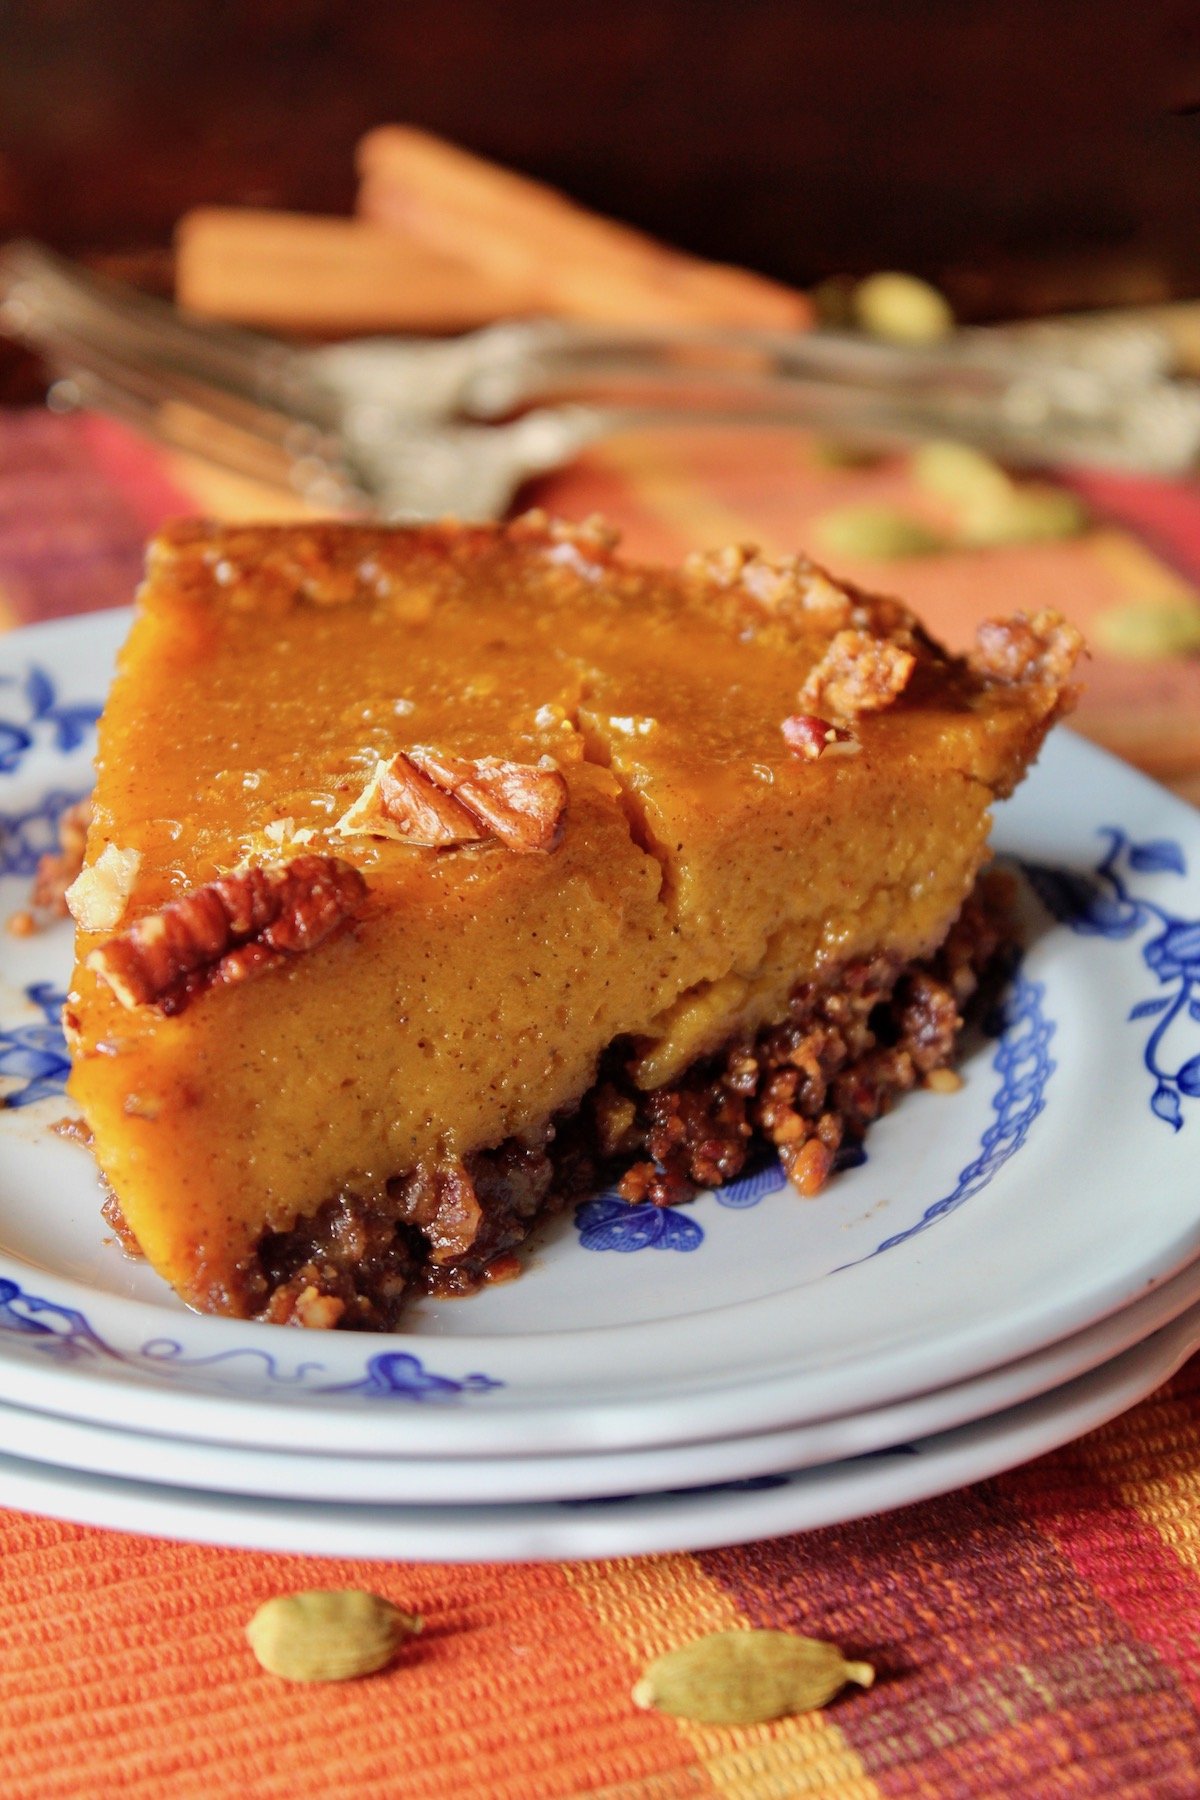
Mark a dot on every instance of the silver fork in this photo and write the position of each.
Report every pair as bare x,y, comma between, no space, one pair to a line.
335,425
407,472
487,374
386,466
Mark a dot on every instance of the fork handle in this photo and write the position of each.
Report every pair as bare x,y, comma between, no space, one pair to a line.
1154,430
40,290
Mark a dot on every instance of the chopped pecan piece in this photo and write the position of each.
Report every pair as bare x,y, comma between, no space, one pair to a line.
811,737
57,869
315,1310
440,1199
400,803
593,535
858,673
615,1117
422,797
645,1184
585,548
809,1167
773,582
1027,652
98,896
231,930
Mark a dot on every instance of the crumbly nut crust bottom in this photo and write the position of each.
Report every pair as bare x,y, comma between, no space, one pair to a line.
807,1087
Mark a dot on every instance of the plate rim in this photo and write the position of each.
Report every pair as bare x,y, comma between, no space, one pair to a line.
268,1474
830,1494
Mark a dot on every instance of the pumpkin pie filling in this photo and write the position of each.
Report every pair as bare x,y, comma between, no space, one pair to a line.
436,873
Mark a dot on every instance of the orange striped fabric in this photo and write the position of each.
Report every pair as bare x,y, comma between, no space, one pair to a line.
1037,1635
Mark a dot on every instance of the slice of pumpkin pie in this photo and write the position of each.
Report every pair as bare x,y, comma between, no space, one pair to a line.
433,871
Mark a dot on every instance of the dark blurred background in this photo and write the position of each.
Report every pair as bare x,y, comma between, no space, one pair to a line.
1026,156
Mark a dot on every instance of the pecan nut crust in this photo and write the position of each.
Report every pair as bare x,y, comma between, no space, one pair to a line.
230,930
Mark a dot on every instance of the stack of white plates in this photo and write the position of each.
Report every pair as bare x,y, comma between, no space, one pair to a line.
1011,1266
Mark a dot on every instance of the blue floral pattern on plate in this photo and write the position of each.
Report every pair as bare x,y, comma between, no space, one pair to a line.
41,719
610,1223
1101,904
749,1190
36,1054
1024,1067
25,837
64,1335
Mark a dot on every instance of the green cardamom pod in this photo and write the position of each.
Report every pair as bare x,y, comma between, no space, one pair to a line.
878,532
1031,514
328,1634
1149,630
960,473
747,1677
902,308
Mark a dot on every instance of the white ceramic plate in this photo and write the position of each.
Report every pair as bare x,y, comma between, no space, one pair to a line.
638,1524
1053,1190
466,1481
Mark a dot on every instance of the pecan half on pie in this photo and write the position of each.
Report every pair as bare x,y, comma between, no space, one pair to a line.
436,873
